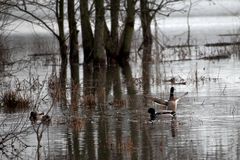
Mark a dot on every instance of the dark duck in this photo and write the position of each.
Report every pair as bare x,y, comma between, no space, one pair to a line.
39,116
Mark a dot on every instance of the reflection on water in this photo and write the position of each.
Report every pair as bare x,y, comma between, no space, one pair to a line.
105,115
206,126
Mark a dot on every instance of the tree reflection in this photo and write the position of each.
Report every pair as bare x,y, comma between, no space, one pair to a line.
119,137
88,80
75,88
103,138
88,151
113,82
132,104
174,126
99,79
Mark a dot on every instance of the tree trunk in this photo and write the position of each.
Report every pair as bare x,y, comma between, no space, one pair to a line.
112,54
127,74
63,51
126,37
146,72
87,33
99,78
189,27
61,38
73,39
99,51
146,20
113,83
62,81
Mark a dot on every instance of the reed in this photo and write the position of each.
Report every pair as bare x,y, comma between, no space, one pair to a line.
12,100
89,100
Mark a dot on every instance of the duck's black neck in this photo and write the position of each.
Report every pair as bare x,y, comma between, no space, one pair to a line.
171,93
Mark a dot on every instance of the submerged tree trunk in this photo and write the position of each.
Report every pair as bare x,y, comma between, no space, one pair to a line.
63,49
126,37
87,33
127,74
99,50
62,89
73,40
99,78
146,72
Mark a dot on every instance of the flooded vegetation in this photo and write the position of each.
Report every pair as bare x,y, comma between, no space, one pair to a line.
50,109
108,118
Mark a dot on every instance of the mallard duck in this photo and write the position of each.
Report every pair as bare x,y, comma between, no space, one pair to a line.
171,104
46,119
154,114
36,116
39,116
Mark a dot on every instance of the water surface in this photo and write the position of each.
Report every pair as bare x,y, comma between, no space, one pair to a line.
116,125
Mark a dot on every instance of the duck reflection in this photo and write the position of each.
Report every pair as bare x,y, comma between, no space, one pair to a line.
174,126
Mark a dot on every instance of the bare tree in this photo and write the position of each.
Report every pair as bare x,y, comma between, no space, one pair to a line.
117,41
5,21
127,34
4,18
61,32
11,135
149,9
44,14
115,10
99,51
87,33
73,40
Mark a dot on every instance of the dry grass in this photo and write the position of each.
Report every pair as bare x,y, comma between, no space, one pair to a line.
77,123
89,100
54,88
12,100
118,103
125,146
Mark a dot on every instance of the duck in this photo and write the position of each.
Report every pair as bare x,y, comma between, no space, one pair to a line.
171,104
154,114
46,119
36,116
39,116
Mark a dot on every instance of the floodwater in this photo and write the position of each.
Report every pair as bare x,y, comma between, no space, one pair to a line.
110,119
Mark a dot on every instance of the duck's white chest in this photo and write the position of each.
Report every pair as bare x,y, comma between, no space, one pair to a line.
172,105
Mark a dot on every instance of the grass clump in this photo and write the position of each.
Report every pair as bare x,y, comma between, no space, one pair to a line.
13,100
89,100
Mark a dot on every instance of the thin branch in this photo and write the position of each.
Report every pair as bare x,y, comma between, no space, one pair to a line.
40,20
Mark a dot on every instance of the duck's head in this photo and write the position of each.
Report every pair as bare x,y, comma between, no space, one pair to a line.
151,110
33,116
152,114
171,93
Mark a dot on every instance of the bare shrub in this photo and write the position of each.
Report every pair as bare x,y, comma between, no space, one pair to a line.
12,101
89,100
